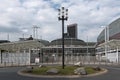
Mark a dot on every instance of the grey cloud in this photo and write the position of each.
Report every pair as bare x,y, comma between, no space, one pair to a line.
88,14
9,29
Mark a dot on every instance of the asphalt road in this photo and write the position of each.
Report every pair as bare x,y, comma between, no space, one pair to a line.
10,73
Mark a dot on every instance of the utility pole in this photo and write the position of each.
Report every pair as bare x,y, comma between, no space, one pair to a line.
35,31
63,15
8,36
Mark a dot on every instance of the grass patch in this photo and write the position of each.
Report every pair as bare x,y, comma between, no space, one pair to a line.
68,70
41,71
90,70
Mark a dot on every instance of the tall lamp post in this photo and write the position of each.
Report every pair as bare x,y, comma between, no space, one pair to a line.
106,36
63,15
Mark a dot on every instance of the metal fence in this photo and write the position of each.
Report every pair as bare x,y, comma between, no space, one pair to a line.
53,59
70,59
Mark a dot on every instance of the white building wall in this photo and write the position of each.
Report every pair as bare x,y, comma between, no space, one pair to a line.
112,57
15,58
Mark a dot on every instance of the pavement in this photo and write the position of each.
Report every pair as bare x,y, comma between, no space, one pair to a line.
10,73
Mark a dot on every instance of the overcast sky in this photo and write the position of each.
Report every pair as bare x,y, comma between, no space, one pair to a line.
17,17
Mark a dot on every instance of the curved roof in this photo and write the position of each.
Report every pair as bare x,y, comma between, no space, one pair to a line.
68,41
15,46
4,41
114,31
45,42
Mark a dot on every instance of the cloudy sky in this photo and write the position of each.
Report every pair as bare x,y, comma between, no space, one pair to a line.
17,17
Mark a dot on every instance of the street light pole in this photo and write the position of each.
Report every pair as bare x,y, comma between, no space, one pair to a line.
106,36
106,41
63,15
